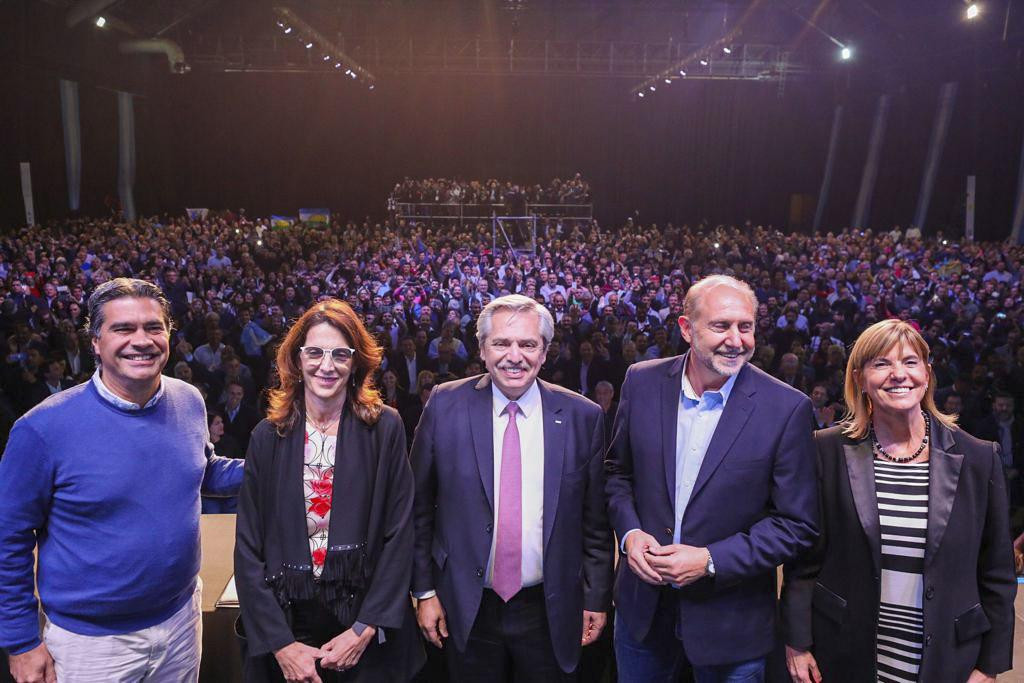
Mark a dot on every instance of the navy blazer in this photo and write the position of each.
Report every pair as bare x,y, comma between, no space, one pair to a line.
754,505
453,465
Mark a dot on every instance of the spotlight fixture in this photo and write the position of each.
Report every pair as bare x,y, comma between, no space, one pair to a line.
288,30
845,53
727,50
280,24
372,86
101,21
682,72
327,58
337,65
669,81
640,94
973,10
309,46
653,88
716,245
352,74
703,62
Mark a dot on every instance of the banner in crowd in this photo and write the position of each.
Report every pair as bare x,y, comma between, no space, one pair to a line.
315,216
197,214
281,221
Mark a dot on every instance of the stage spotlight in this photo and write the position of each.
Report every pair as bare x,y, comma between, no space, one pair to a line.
259,243
101,21
352,74
337,65
727,50
288,30
945,242
237,231
309,46
703,62
653,88
327,58
973,10
669,81
716,245
845,54
682,72
372,86
640,94
281,24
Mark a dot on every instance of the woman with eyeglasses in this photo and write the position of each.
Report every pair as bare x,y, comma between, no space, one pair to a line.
323,572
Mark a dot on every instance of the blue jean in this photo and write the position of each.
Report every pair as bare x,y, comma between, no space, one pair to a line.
660,658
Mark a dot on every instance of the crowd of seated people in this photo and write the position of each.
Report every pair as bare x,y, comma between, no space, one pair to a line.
615,294
574,190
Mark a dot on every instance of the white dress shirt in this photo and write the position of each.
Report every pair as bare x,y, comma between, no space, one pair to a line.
530,421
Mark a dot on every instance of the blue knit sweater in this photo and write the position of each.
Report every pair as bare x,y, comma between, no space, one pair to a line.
111,497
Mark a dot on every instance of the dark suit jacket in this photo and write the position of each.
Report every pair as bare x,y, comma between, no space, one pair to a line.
598,371
453,464
830,596
754,505
241,427
397,364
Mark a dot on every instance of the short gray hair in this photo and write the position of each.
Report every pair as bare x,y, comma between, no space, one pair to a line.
696,293
121,287
516,303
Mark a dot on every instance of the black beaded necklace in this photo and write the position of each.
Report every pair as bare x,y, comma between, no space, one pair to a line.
877,447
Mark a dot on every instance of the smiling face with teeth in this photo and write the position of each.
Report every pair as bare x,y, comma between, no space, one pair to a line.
896,381
721,337
132,347
513,351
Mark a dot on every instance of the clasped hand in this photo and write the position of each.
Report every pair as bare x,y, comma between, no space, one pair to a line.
298,661
657,564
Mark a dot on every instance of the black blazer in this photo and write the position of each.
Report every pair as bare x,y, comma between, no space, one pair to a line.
453,465
830,596
373,498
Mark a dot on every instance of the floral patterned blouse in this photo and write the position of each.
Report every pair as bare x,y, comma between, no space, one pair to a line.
318,484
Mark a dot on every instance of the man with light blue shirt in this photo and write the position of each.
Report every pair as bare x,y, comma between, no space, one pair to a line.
104,480
708,492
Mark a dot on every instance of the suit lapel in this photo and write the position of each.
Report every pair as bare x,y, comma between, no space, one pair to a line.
481,419
671,390
554,455
737,411
944,475
861,471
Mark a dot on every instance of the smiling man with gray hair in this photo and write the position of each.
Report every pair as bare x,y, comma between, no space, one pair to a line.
513,558
104,479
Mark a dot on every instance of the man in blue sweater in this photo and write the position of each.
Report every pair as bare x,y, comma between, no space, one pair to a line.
105,479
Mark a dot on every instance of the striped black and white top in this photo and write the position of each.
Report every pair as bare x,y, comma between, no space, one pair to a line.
902,492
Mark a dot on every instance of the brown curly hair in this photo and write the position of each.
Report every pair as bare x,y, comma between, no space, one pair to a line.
287,400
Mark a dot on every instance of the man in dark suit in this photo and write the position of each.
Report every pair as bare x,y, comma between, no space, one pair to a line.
239,418
513,551
408,363
587,371
711,486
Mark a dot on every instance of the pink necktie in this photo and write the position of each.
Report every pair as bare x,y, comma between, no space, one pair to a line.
508,551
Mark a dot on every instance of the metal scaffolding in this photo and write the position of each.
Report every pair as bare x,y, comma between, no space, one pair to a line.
476,56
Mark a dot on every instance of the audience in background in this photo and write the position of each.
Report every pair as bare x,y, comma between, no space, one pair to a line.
235,285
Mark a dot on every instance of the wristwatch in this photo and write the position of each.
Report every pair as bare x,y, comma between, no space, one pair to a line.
710,566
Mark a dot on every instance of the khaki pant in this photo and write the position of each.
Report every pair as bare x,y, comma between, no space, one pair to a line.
168,652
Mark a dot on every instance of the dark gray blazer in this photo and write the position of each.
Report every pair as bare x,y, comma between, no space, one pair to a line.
830,596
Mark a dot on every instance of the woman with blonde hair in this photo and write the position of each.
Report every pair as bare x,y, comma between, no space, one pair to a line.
323,571
912,576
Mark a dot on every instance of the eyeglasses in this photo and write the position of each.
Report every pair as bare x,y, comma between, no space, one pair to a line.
315,354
